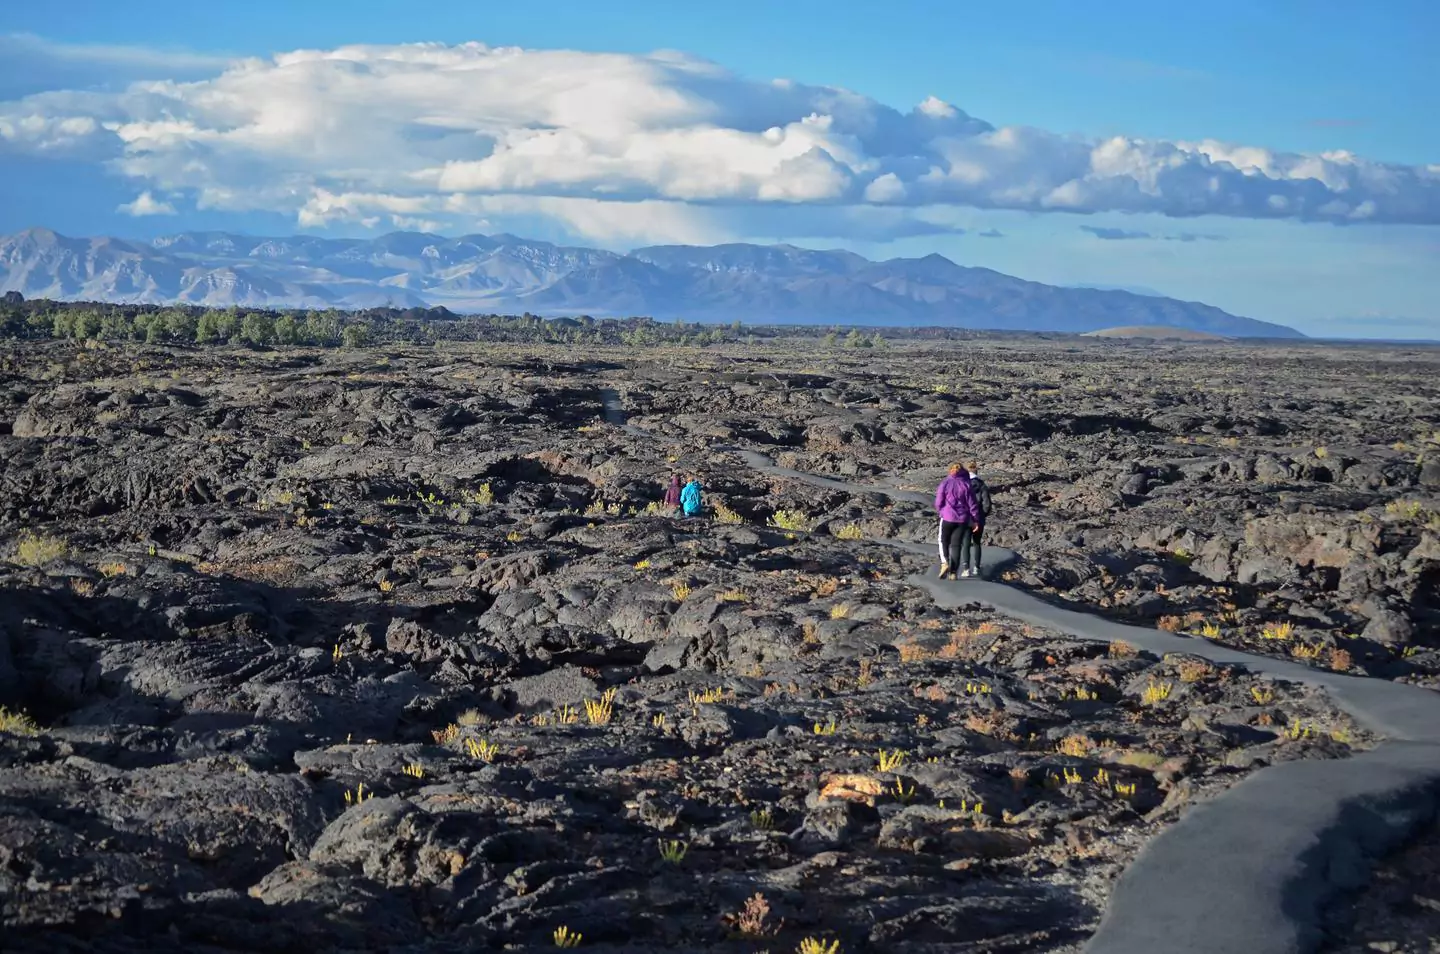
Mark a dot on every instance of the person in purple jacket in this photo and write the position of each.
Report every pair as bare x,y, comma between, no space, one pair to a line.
959,518
672,494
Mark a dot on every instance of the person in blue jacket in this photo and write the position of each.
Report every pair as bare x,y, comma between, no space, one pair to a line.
690,497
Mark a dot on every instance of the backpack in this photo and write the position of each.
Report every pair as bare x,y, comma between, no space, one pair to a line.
982,496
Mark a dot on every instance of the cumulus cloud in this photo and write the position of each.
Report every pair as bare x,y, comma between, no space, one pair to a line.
658,147
146,204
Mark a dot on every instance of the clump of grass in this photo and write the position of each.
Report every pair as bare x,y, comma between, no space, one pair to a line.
470,717
358,795
1193,670
1263,695
564,937
840,611
734,596
813,945
889,760
1157,692
1278,631
1302,651
681,591
724,514
482,496
35,549
851,531
1210,631
1119,649
911,652
643,564
793,520
17,723
828,728
600,711
110,570
482,749
1078,746
414,770
673,851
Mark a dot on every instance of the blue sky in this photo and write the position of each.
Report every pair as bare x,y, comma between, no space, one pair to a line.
1289,79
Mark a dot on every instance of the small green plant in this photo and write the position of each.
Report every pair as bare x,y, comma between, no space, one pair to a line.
733,596
889,761
482,496
1210,631
17,723
851,531
564,937
763,819
813,945
904,795
840,611
826,729
414,770
673,851
1263,695
37,550
791,520
643,564
680,591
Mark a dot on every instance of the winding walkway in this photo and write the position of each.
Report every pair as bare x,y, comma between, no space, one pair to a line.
1251,870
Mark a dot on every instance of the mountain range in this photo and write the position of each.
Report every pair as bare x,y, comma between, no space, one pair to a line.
759,284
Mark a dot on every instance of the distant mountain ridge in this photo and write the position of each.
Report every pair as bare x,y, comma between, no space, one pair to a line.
761,284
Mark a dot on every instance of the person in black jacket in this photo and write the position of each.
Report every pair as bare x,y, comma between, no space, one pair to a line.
970,545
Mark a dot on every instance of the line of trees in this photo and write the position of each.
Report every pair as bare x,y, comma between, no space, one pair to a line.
191,325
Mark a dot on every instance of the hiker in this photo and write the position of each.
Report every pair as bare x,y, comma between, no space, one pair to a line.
970,545
959,518
672,494
690,497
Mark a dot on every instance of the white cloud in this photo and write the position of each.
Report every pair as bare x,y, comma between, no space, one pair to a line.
146,204
664,147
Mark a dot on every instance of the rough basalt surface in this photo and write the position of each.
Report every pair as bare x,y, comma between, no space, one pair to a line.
320,645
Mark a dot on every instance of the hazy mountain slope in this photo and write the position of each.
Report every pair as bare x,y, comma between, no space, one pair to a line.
505,273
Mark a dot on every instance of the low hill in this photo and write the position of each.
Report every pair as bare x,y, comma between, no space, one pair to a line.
1155,333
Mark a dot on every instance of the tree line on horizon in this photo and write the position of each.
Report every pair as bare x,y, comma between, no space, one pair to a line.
329,328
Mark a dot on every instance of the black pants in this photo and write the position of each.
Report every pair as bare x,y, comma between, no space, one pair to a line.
954,541
970,549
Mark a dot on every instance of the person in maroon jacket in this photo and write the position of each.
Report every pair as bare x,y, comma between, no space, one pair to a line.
672,494
959,518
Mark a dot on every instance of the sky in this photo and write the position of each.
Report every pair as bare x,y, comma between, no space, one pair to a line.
1280,160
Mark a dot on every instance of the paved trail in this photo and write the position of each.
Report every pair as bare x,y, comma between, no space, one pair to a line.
1250,871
